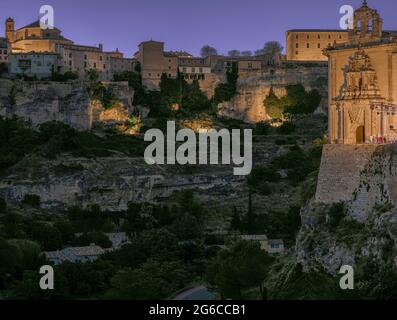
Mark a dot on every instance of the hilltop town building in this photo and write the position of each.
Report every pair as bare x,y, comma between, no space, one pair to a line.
33,64
154,61
33,42
362,83
33,38
308,44
5,49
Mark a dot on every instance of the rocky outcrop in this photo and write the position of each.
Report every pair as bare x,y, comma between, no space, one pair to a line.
112,182
365,180
66,102
252,90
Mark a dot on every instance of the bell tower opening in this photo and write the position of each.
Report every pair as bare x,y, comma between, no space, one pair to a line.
367,25
360,135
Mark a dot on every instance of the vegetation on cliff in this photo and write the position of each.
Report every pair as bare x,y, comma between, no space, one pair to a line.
296,101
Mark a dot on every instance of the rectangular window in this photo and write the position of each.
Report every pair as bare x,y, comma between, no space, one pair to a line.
318,45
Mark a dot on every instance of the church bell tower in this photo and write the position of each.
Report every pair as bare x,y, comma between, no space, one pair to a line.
10,30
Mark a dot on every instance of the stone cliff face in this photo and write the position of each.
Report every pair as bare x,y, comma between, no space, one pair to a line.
252,90
369,225
67,102
113,182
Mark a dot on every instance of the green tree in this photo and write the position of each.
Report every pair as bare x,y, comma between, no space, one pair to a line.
226,91
10,262
273,105
244,266
208,51
97,237
273,48
66,230
47,236
29,253
153,280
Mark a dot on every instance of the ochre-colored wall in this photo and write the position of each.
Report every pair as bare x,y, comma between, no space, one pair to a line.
317,41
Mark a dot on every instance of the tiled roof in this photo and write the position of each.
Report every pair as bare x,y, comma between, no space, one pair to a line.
56,255
254,237
86,251
35,24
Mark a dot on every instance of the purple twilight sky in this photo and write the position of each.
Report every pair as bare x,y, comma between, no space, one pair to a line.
187,24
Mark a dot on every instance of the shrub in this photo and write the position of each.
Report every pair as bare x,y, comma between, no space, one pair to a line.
32,200
286,128
65,76
336,214
3,68
3,205
263,174
261,128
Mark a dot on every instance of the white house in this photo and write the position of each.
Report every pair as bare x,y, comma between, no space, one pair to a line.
268,245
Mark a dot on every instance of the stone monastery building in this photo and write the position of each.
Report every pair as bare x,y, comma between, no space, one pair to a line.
363,83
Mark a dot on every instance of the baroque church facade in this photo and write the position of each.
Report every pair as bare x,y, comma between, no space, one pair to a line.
363,83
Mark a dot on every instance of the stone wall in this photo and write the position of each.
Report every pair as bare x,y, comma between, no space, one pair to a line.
340,170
